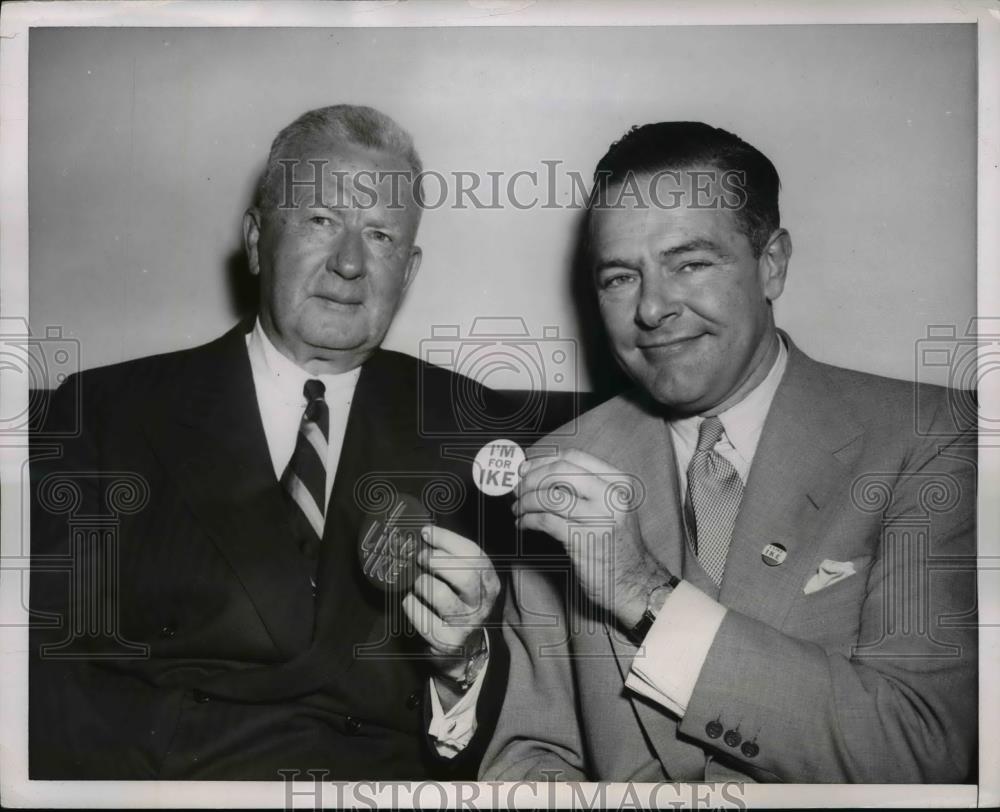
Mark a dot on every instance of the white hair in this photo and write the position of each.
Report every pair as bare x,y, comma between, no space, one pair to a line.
353,124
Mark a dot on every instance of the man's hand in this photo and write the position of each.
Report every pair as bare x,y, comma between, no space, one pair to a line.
573,490
451,599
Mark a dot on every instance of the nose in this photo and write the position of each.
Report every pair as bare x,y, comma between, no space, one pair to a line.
347,258
658,301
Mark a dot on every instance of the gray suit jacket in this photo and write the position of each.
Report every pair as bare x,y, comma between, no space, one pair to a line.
871,679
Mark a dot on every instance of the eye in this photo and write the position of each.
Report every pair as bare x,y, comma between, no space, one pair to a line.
690,267
320,220
615,279
381,236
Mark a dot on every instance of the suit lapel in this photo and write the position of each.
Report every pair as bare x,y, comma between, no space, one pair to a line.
803,457
637,441
380,437
215,441
801,461
349,613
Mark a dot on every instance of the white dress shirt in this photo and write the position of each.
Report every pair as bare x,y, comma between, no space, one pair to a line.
690,619
452,731
279,384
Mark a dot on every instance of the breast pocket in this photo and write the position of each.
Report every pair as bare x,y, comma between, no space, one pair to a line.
831,615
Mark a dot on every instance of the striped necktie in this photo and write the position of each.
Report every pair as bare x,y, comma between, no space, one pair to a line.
305,477
714,492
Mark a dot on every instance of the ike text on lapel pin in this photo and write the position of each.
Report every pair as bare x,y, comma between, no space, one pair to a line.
388,544
494,470
773,555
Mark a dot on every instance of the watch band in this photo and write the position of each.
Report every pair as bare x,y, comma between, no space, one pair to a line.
474,662
639,631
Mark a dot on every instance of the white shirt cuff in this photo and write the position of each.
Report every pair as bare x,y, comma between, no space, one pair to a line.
452,731
666,668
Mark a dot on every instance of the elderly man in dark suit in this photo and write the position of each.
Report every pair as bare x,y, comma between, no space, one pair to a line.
223,627
763,566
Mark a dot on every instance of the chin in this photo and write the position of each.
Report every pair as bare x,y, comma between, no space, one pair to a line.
334,328
675,395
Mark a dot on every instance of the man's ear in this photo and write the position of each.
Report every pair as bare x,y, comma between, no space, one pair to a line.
412,266
251,237
773,264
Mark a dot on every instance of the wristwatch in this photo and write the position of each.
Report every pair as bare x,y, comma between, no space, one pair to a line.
639,631
474,662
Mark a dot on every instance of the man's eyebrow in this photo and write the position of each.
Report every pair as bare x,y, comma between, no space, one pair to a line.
615,262
698,244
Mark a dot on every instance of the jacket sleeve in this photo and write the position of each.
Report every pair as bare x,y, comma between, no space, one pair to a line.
69,735
902,707
465,764
538,735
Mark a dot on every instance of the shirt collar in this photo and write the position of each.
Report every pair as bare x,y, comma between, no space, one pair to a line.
744,421
285,375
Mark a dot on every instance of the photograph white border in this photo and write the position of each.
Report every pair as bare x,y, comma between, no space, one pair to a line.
18,18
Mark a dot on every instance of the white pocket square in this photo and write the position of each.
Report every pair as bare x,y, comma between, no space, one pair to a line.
829,572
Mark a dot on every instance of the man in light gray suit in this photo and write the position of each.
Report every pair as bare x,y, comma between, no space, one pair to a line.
762,566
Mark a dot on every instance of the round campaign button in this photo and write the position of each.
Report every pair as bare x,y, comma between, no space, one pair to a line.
773,555
494,469
388,544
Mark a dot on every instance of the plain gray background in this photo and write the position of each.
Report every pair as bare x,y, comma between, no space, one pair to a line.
144,145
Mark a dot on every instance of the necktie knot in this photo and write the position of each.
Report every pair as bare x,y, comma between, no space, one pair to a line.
314,391
709,433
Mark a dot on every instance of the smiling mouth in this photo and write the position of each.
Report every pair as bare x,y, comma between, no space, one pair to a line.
670,345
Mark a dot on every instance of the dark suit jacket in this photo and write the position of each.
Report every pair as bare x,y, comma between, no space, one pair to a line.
183,637
871,679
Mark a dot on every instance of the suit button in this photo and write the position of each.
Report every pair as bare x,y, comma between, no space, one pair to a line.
732,738
353,725
413,700
713,729
750,749
168,632
200,696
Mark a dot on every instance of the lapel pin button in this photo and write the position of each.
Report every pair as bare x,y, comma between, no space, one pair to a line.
495,468
388,544
773,555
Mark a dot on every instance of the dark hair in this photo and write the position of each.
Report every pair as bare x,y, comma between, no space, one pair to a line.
672,145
